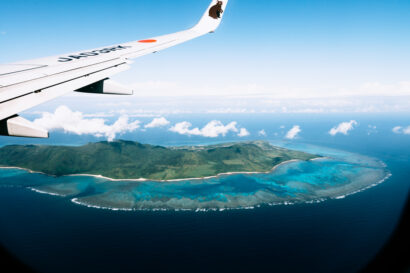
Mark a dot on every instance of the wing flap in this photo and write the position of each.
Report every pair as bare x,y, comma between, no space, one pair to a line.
106,87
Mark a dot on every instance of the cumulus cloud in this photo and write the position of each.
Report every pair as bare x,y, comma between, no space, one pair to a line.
157,122
293,133
97,115
183,128
214,128
343,128
397,129
262,133
243,133
401,130
371,129
76,122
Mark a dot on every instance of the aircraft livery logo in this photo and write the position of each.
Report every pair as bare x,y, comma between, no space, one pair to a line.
91,53
216,11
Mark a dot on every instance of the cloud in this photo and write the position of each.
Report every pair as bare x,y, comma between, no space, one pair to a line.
383,89
157,122
3,32
293,133
183,128
262,133
157,88
372,129
98,115
401,130
243,133
76,122
343,128
268,89
397,129
214,128
166,105
231,111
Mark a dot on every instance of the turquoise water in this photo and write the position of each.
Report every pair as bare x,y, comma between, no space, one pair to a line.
335,176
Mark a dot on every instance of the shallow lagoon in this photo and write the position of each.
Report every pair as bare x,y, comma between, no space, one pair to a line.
336,175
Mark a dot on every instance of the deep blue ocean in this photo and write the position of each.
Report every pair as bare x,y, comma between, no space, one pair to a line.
52,234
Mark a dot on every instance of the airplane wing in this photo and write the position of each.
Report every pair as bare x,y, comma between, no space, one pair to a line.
26,84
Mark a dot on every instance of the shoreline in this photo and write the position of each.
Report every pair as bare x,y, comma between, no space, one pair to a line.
164,181
183,179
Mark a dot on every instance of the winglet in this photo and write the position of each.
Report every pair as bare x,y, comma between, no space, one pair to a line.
212,17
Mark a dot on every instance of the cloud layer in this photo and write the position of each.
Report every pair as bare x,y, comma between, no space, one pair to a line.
293,133
268,89
343,128
75,122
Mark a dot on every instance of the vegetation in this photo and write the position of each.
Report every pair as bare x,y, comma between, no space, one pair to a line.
132,160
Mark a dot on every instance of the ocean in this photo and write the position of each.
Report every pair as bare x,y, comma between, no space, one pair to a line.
51,233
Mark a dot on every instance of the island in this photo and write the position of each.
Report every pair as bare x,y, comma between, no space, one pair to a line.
133,160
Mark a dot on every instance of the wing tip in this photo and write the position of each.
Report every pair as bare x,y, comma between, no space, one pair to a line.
212,17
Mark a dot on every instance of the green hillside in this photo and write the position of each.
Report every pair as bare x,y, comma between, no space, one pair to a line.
132,160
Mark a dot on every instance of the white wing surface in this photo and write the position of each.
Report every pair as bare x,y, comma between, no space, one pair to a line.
29,83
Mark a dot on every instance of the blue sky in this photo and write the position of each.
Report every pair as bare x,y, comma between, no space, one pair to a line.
271,50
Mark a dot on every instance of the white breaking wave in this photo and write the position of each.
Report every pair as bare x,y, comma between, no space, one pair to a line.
46,192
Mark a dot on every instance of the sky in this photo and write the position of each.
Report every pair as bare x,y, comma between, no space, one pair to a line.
267,56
